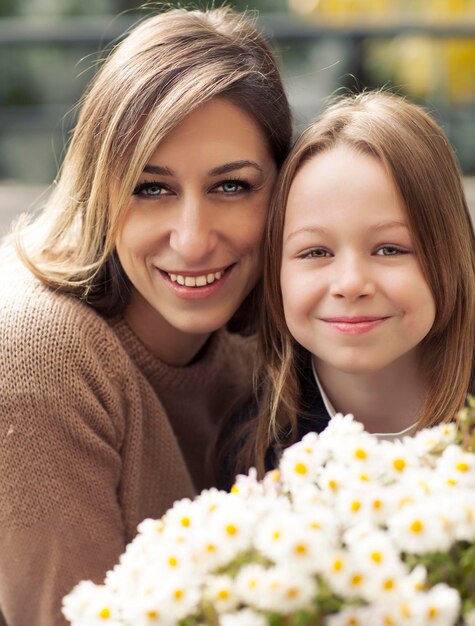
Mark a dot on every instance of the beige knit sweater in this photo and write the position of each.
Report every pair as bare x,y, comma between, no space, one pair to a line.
96,434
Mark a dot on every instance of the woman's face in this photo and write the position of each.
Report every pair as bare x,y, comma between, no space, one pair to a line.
190,237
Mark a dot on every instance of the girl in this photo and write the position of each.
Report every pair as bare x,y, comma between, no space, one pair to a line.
369,279
115,369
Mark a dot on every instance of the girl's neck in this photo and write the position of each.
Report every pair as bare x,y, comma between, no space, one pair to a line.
386,401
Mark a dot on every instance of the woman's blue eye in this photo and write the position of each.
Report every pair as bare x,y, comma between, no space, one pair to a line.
150,190
233,186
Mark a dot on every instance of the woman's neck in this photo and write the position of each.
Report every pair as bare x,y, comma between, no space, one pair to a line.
386,401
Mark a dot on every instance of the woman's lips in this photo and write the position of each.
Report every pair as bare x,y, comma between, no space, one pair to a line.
196,285
354,325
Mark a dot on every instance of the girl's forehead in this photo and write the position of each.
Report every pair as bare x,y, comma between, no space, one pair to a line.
342,186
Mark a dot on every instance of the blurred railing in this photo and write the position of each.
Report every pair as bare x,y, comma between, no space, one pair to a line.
21,126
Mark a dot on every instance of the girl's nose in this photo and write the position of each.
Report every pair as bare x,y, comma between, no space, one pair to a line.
194,234
352,279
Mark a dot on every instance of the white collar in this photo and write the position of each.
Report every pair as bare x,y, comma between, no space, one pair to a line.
332,412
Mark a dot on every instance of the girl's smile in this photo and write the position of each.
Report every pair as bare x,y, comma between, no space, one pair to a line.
354,325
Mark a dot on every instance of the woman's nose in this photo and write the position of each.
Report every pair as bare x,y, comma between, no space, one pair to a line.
194,234
352,279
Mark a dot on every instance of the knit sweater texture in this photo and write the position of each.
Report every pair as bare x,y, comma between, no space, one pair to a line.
96,435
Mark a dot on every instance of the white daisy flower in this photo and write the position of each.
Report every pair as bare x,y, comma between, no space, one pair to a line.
92,605
286,591
249,584
355,616
397,459
244,617
375,553
301,463
457,466
211,549
220,591
333,477
429,439
146,612
352,506
419,529
439,606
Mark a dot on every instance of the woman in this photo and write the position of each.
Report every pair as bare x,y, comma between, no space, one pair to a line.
115,370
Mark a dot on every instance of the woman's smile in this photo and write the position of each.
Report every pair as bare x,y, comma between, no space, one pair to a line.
197,285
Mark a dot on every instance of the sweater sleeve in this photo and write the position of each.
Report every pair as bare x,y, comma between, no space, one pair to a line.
61,426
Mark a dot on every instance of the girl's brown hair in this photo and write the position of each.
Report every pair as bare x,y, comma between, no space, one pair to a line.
417,154
166,67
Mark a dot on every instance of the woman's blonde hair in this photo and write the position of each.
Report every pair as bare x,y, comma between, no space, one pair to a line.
166,67
418,156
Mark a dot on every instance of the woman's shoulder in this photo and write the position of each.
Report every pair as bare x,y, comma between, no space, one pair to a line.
37,319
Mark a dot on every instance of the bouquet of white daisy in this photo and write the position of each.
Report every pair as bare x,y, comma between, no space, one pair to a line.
348,531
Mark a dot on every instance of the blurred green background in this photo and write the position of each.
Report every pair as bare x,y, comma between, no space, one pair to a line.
424,49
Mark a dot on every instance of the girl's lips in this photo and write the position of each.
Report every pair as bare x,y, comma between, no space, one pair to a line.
197,285
354,325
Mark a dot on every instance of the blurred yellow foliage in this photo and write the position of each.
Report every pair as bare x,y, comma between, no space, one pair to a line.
421,65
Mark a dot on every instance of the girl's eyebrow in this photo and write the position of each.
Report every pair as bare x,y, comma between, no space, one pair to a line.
320,230
216,171
307,229
390,224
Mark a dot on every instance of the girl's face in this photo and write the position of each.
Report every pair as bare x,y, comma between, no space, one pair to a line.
353,290
190,238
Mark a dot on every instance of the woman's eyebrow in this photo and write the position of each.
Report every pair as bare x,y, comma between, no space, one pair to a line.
158,169
235,165
216,171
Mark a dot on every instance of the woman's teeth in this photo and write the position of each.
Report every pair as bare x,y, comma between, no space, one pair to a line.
195,281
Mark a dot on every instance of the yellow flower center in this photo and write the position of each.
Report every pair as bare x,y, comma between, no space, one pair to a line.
377,504
185,521
152,614
417,526
104,613
376,557
356,580
388,584
223,594
355,506
300,548
231,529
179,593
432,612
172,561
462,467
293,592
300,468
337,565
360,454
399,465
